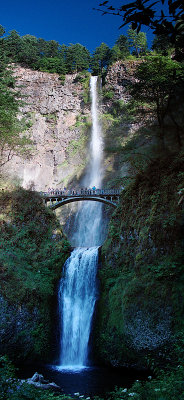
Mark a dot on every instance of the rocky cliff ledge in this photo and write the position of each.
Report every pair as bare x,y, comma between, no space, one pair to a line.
57,117
58,122
140,310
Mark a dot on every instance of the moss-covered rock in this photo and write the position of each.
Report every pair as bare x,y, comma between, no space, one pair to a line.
32,252
140,310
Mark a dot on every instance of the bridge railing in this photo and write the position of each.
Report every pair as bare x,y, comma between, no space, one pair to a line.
80,192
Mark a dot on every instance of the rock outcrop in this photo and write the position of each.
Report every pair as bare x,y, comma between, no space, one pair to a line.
58,122
141,274
40,382
56,114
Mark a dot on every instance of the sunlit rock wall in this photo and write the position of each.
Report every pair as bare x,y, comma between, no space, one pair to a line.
56,117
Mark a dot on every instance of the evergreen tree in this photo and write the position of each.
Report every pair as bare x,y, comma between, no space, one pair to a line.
2,30
52,64
52,48
11,139
77,58
100,59
29,53
137,42
42,47
12,45
115,54
161,44
122,43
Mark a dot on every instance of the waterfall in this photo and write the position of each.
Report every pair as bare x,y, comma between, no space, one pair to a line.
88,226
77,297
78,293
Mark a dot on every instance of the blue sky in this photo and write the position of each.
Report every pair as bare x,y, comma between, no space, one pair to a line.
66,21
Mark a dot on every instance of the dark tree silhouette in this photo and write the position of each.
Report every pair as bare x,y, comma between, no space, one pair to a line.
152,14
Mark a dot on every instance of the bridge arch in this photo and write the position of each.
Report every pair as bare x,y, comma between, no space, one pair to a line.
68,200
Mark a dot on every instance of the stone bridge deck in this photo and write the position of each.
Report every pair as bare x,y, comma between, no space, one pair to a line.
57,198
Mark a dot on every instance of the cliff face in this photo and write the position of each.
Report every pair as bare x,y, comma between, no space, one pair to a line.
58,122
140,311
57,116
33,251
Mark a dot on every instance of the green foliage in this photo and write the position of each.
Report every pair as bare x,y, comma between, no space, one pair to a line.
168,386
157,79
115,54
137,42
2,30
12,141
77,58
125,112
28,252
144,12
7,377
31,258
100,59
83,77
12,389
62,79
51,64
78,145
47,56
122,43
161,45
142,268
108,95
28,53
52,117
11,45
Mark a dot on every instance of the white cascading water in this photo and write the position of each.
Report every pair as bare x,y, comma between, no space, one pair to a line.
78,293
78,296
88,221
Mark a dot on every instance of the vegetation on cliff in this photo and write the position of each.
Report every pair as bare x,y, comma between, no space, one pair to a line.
12,388
50,56
12,139
140,311
164,17
33,250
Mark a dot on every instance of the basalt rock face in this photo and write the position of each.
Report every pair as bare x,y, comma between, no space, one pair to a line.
118,125
140,310
58,123
33,251
56,114
17,329
119,75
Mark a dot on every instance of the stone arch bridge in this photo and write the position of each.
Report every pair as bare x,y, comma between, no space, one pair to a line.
57,198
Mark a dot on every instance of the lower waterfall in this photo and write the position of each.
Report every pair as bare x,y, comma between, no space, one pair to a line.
77,297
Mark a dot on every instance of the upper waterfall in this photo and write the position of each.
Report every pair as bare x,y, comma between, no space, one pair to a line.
88,226
95,174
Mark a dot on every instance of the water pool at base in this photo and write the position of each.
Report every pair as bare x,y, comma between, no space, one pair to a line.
88,381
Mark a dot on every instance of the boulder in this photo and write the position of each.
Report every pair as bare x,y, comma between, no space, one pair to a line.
40,382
